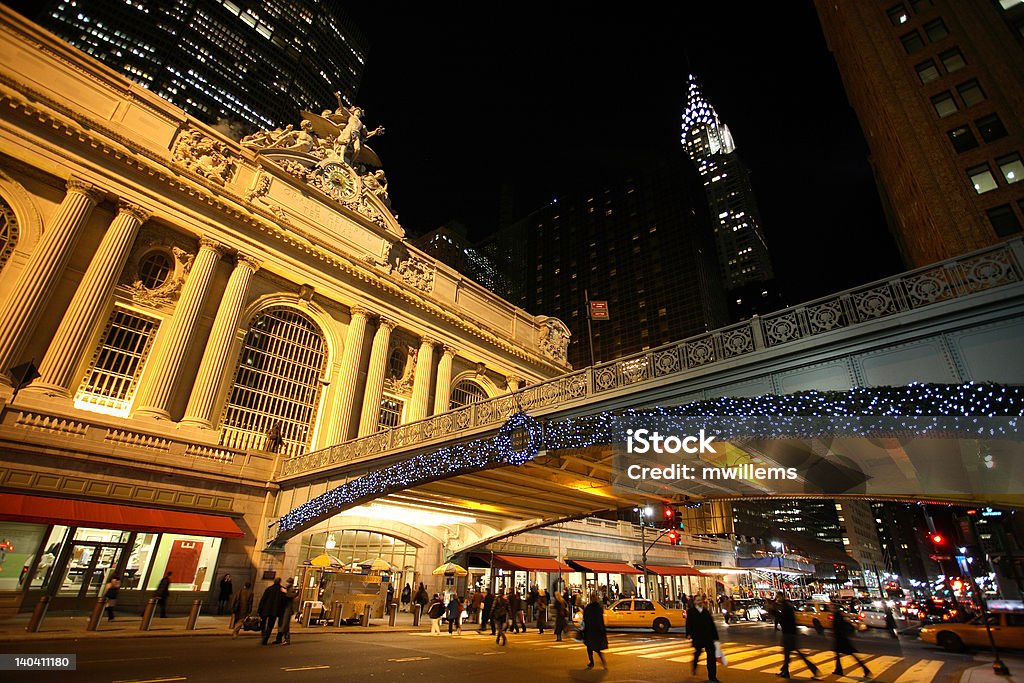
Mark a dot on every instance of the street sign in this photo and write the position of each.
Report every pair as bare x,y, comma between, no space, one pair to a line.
599,310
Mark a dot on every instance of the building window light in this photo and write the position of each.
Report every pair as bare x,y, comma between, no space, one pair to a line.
982,179
1011,167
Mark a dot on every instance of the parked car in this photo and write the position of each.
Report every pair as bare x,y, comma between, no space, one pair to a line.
630,613
1007,630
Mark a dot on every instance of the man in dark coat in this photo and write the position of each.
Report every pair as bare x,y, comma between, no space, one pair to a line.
270,604
595,637
285,612
700,627
163,590
841,630
787,620
224,597
486,616
515,610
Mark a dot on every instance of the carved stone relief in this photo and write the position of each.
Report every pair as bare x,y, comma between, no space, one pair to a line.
152,243
204,156
553,339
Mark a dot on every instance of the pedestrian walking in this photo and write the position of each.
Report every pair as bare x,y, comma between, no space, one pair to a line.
285,612
485,616
406,597
515,611
435,611
241,607
787,620
841,629
110,592
224,596
561,608
270,603
541,605
595,637
890,623
700,627
499,616
163,591
454,614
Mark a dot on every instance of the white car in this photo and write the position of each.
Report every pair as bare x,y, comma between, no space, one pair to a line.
872,616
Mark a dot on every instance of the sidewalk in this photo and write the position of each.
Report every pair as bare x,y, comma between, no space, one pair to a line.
982,671
72,627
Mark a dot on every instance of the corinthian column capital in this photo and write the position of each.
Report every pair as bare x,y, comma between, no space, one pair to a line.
211,243
449,350
134,210
86,188
384,321
248,261
361,311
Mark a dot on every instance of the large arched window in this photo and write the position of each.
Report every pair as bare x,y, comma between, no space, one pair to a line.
8,232
466,392
277,387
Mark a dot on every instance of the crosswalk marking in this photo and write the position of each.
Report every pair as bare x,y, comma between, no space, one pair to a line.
820,659
752,664
922,671
732,653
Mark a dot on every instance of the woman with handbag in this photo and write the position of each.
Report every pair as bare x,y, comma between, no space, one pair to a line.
595,637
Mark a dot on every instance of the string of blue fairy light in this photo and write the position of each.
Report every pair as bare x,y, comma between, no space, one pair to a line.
972,409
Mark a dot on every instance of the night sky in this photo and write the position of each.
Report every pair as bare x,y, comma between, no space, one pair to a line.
476,99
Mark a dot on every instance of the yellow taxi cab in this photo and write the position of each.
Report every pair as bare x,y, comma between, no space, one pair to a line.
639,613
1007,631
818,615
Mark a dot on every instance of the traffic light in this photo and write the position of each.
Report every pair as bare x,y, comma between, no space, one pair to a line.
674,538
668,516
937,538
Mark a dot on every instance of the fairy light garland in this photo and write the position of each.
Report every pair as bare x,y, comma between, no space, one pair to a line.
972,409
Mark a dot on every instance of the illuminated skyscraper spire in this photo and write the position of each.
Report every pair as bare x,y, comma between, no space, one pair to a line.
742,252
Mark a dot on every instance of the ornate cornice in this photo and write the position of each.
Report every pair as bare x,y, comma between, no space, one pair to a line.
42,109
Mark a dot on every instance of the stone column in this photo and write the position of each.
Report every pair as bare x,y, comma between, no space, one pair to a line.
57,371
443,390
348,375
514,383
201,403
25,304
421,381
161,375
375,377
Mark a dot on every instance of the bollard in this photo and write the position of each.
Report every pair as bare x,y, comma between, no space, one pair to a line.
416,609
365,621
38,614
147,614
193,615
392,613
97,612
337,611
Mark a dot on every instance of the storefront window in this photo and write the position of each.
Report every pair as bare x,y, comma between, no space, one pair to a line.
139,561
50,553
357,547
101,535
18,545
190,560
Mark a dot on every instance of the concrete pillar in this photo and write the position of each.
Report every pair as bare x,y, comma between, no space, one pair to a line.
421,381
201,404
375,377
58,371
514,383
443,390
162,371
348,375
37,281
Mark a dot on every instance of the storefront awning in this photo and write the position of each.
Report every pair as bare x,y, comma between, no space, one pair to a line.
532,564
16,507
665,570
605,567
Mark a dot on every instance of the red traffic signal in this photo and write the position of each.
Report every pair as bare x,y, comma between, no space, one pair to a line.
937,539
674,538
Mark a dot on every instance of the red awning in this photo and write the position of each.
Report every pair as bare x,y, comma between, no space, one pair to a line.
607,567
664,570
532,564
15,507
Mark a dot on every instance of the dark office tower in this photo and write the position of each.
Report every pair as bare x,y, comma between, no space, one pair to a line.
739,242
254,61
903,534
639,243
937,87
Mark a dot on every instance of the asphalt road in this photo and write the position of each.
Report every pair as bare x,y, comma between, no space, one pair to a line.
314,656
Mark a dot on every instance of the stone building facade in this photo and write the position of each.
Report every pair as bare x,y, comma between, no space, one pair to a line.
180,312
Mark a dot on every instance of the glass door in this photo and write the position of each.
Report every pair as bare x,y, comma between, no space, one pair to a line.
89,566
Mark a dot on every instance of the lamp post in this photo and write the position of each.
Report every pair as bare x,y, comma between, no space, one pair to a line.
646,512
